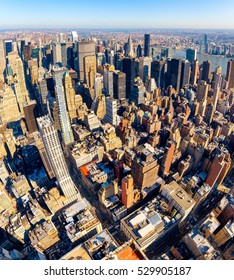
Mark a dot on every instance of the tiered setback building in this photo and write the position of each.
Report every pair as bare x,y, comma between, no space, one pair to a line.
56,157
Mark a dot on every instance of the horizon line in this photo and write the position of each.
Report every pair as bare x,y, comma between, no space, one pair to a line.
115,28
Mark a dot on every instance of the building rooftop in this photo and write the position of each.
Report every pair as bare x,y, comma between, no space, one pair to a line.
230,227
74,209
44,121
101,245
149,221
179,195
40,232
128,251
202,243
78,253
211,223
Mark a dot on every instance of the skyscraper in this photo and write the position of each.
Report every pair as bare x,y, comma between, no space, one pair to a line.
147,45
194,72
70,96
174,73
85,48
21,91
65,125
119,85
230,73
218,170
168,157
145,67
129,70
138,92
30,114
202,90
22,44
64,54
191,55
206,70
2,61
158,72
9,108
27,52
185,73
55,155
111,111
74,37
98,85
108,82
139,51
129,47
206,43
215,96
90,70
127,191
8,47
57,54
202,93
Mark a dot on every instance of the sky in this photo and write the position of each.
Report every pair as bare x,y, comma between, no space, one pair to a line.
197,14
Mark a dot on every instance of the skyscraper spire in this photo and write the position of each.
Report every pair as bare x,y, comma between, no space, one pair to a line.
131,52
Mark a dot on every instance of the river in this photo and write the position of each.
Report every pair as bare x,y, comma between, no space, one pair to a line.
215,59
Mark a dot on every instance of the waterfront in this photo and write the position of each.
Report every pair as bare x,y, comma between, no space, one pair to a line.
215,59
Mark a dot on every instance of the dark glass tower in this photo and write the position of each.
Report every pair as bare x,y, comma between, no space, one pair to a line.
147,45
119,85
206,69
174,73
22,44
8,47
191,55
129,70
139,51
158,72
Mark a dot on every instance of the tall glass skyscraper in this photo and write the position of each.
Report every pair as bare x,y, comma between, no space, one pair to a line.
66,131
8,47
147,45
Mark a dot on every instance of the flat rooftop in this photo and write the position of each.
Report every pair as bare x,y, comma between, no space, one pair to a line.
179,195
78,253
129,253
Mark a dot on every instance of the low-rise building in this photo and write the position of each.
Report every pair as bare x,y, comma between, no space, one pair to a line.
78,253
128,251
96,173
43,236
149,223
80,221
199,246
107,190
86,151
101,245
179,200
109,139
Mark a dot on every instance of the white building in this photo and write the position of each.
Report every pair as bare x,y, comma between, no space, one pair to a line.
55,155
98,85
74,37
111,111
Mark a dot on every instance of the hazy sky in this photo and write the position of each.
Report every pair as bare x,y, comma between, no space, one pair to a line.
117,14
